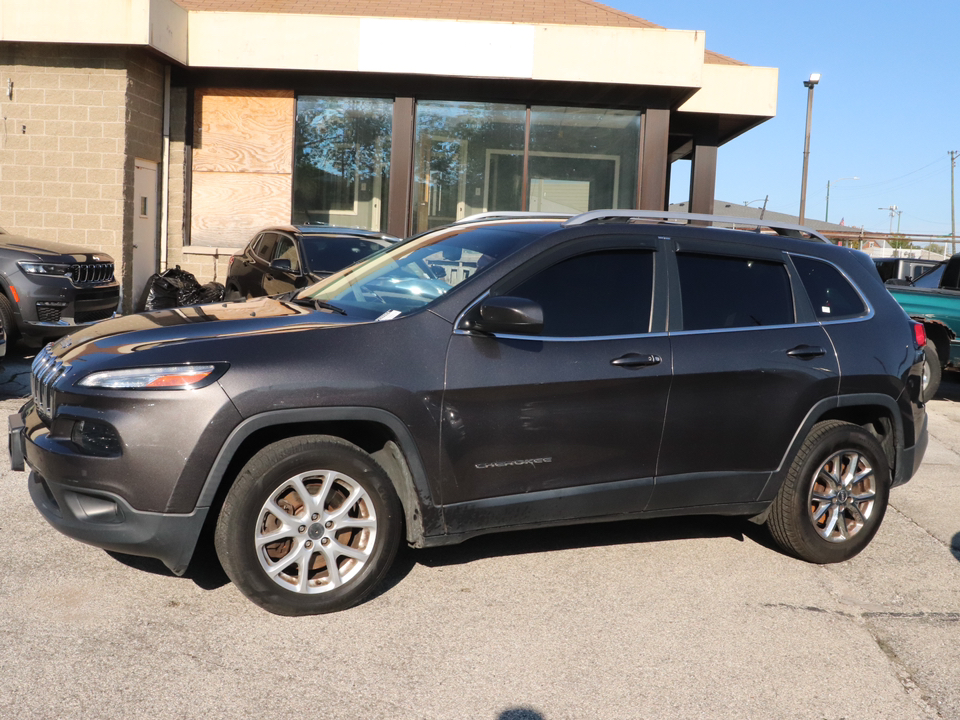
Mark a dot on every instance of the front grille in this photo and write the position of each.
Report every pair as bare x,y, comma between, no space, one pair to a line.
93,315
44,373
91,273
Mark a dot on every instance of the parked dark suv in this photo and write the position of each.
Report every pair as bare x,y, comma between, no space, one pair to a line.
287,257
47,288
599,367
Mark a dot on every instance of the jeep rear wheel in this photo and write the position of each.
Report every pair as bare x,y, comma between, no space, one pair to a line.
310,526
834,496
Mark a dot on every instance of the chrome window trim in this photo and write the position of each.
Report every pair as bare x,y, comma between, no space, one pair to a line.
554,338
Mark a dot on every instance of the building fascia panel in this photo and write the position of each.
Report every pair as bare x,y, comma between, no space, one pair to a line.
161,24
634,56
735,90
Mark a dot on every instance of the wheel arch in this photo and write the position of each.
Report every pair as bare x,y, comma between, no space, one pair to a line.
377,432
878,414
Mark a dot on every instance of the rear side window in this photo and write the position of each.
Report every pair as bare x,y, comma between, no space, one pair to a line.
831,294
731,292
594,295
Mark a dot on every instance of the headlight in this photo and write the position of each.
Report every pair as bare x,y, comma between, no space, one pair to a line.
35,268
173,377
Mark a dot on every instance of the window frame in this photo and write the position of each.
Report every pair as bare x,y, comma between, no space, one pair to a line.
573,248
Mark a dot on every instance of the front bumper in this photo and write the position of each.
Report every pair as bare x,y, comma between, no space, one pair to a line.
53,306
104,519
107,521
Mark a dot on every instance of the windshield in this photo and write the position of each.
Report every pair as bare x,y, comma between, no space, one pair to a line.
414,273
328,253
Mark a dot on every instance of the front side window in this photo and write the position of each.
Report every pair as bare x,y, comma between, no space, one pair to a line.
733,292
831,294
287,251
598,294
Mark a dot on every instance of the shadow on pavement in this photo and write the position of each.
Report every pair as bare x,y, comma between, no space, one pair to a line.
15,372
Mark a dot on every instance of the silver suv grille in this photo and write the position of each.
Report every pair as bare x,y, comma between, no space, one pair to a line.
90,273
44,373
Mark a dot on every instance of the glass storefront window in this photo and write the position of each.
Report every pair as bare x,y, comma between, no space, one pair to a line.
468,158
341,170
583,159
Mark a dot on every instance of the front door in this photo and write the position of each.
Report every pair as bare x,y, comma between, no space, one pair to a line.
566,423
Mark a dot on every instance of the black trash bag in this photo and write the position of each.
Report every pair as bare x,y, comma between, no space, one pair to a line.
171,288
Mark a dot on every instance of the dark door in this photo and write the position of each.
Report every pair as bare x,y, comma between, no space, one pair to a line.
567,423
749,362
253,263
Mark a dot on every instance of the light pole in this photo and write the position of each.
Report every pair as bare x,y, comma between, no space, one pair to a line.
826,215
809,84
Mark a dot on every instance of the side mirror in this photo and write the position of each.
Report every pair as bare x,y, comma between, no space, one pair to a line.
282,264
506,314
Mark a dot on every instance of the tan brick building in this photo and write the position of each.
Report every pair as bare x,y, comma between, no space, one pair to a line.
167,132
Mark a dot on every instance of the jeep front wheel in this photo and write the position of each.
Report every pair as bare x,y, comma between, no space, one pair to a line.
834,496
310,526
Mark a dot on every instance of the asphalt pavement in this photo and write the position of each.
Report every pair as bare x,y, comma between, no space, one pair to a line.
677,618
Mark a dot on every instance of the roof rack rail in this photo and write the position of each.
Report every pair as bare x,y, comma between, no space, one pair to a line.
786,229
511,214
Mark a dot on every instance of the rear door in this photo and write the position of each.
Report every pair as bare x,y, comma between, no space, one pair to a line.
749,360
567,423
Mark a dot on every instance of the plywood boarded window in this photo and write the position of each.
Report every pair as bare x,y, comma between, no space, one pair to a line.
242,164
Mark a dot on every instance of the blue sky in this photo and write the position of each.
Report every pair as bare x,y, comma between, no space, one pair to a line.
887,109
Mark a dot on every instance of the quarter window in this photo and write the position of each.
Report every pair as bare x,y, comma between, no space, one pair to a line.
832,295
731,292
594,295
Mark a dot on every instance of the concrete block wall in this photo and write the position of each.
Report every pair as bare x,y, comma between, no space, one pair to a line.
74,119
62,156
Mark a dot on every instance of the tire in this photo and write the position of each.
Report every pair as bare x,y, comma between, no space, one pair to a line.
823,513
232,294
932,372
7,318
295,492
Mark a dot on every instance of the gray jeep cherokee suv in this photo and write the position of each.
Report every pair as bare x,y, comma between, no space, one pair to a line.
47,288
572,369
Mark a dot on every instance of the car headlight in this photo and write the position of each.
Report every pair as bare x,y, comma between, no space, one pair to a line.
171,377
37,268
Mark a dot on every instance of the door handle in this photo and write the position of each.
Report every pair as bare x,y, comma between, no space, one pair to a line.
805,352
636,360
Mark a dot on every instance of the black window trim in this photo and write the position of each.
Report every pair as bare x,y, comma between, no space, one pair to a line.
866,315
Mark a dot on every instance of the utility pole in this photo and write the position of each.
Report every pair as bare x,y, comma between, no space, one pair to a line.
953,206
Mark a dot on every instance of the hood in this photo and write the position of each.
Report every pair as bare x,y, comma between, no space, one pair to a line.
145,331
50,250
